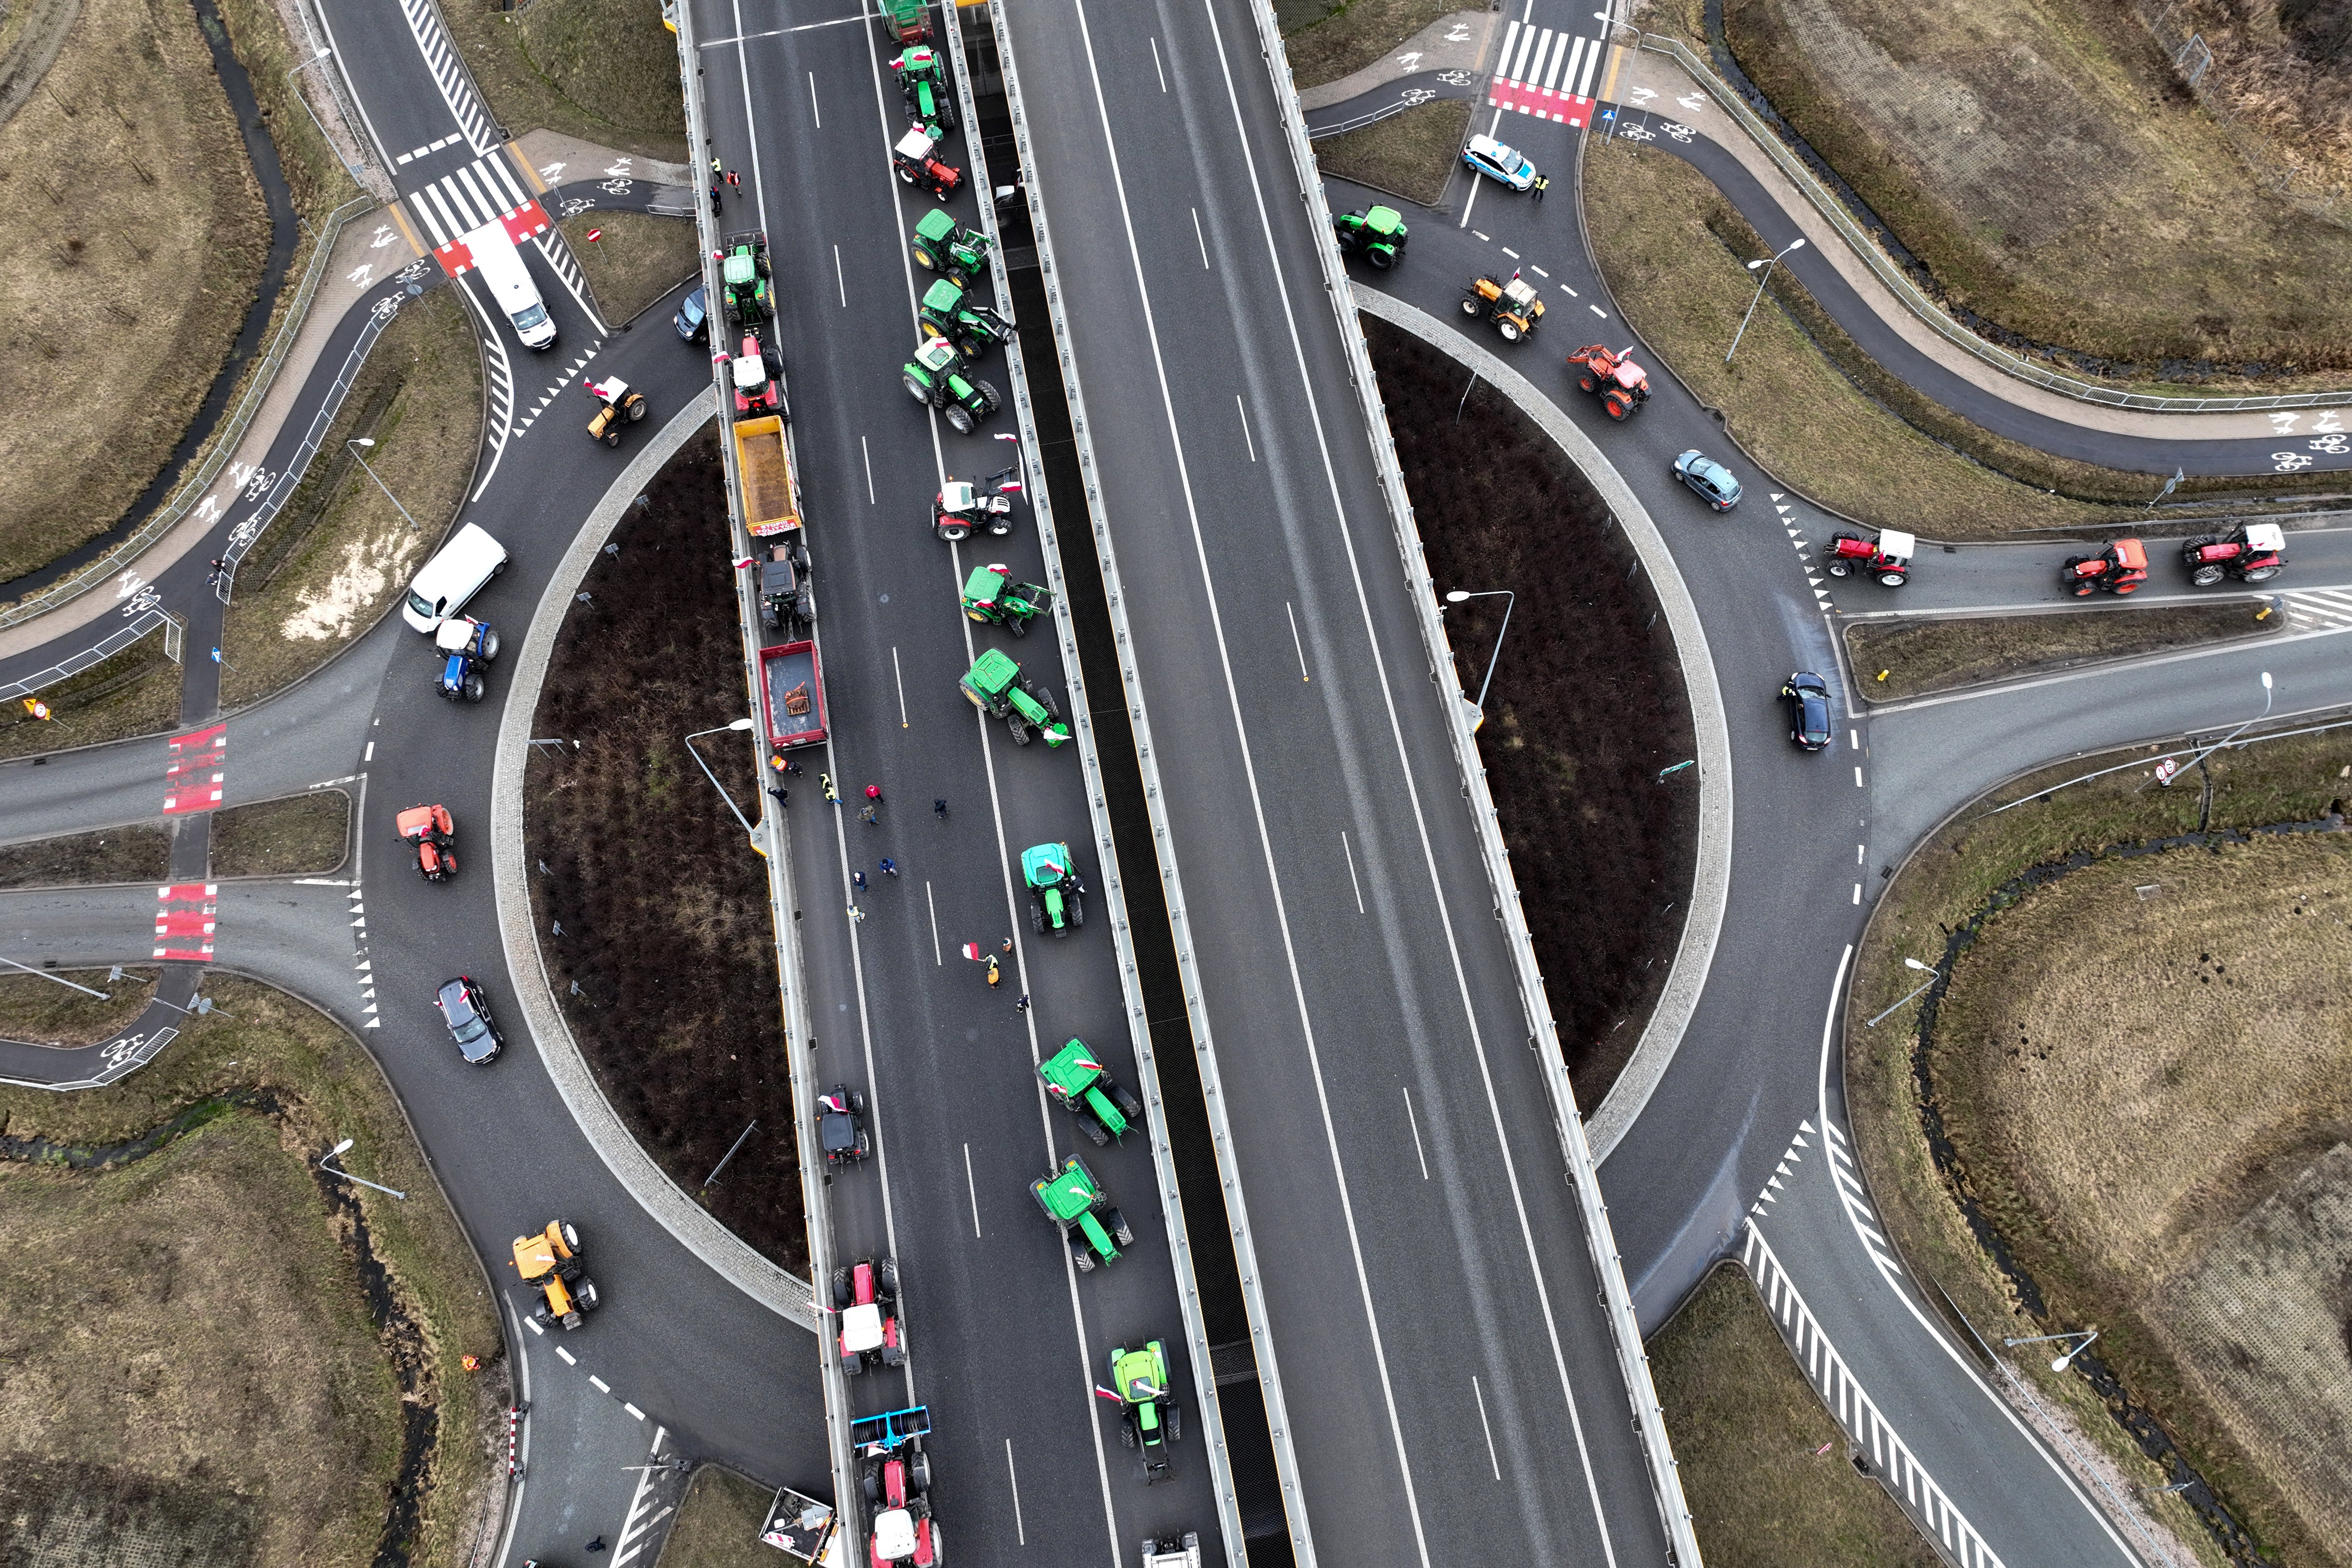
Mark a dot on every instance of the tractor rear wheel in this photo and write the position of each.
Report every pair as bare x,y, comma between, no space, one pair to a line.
637,407
1382,257
2206,576
852,1363
872,1482
915,387
1509,329
474,688
925,260
1616,406
960,419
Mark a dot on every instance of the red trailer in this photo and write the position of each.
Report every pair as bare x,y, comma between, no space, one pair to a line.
795,689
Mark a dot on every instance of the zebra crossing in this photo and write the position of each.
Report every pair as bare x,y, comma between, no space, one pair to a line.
484,192
2318,609
449,73
1547,73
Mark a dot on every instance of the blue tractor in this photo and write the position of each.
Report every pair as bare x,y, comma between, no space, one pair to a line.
466,646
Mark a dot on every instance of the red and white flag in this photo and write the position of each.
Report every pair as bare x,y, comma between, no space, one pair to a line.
972,950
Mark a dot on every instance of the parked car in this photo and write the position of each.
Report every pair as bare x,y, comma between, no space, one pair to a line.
693,317
1486,156
467,1013
1807,697
1716,484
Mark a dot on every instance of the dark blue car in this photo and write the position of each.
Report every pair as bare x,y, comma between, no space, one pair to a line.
693,317
1807,697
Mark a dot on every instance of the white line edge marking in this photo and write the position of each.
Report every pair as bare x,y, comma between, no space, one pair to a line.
841,287
1014,1475
812,108
864,451
901,680
1492,1459
1163,87
973,1190
1246,429
569,1359
1349,851
938,956
600,1385
633,1410
1415,1122
1303,676
1201,237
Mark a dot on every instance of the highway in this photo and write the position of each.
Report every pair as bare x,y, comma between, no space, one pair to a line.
1427,1312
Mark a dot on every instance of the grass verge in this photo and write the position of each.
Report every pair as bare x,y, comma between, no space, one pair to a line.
268,1381
1749,1435
340,552
604,70
1804,400
2048,166
47,1014
1410,155
639,259
1905,659
719,1524
1955,875
133,225
666,966
1325,45
300,836
1586,705
138,853
135,692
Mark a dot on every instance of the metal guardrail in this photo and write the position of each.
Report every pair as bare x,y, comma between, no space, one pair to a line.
773,839
223,446
1360,121
1584,1176
1041,506
1916,301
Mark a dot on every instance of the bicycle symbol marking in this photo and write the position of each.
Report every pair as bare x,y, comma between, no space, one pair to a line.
2288,462
410,273
259,486
575,205
2336,446
1637,133
1454,78
617,188
126,1049
385,308
244,533
1416,95
145,600
1679,133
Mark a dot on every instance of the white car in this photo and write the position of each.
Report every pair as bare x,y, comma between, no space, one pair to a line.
1489,157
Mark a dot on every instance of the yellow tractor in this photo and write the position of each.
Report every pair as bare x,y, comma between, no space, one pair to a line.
1511,304
550,1263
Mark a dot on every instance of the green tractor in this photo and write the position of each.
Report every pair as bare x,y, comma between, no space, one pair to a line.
935,377
745,285
922,76
1148,1418
992,598
1075,1202
1377,235
1056,892
904,21
998,689
942,245
1104,1110
949,311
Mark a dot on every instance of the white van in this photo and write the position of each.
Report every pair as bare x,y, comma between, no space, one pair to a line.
501,265
464,565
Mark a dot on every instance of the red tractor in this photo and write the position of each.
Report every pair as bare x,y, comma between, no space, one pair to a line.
757,373
1887,558
2251,554
2120,569
1620,384
916,162
904,1531
430,828
867,1296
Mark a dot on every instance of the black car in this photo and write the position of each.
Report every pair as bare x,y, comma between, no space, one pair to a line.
693,317
1807,696
467,1013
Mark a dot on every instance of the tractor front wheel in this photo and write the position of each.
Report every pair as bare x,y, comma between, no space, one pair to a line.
1586,384
1115,1223
960,419
1037,917
1018,625
1382,258
1096,1133
1077,909
612,436
1081,1254
1022,736
1837,568
1175,1423
989,396
1469,306
954,532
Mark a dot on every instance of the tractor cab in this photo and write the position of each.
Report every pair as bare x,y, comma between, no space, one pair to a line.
2120,569
784,587
915,160
1887,558
2254,553
1511,304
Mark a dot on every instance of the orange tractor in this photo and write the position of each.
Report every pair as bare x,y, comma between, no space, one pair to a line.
2118,569
432,830
1613,378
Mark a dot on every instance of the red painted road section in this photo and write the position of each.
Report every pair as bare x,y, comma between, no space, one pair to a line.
192,782
185,919
520,223
1542,103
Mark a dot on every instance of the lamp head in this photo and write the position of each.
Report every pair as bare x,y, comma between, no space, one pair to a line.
1915,963
2266,681
363,441
339,1148
1796,244
1456,596
1754,265
740,724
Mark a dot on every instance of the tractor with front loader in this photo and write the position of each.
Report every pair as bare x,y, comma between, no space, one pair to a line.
942,245
549,1264
1510,303
1103,1107
1620,385
949,311
1077,1205
996,687
1377,235
935,377
992,597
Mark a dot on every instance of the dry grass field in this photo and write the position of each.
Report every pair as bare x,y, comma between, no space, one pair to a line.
136,692
300,836
47,1014
135,236
719,1524
605,70
1410,155
1323,47
1919,657
638,260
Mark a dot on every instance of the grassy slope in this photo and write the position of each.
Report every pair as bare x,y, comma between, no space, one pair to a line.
1914,657
1949,879
719,1524
639,259
259,1038
1327,47
1410,155
300,836
605,70
136,692
35,1008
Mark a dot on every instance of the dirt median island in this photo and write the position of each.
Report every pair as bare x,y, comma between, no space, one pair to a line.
1919,657
665,965
2124,1114
1587,709
636,259
1408,154
603,71
719,1524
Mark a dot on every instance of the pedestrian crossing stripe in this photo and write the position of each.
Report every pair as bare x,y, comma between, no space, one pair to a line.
1546,73
483,193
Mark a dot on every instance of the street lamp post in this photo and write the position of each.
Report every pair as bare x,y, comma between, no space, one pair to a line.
348,167
2267,695
2059,1363
738,724
334,1170
1766,276
1932,973
355,445
1460,595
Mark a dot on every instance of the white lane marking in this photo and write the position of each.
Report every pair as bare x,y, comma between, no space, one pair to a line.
1015,1476
1510,252
1350,854
1598,312
1537,271
1201,237
1857,775
973,1190
370,755
1569,292
901,679
812,108
866,453
1163,87
938,956
841,287
1415,1122
569,1359
1857,854
532,1324
1301,647
633,1410
601,1385
1245,430
1492,1459
1857,892
1854,740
